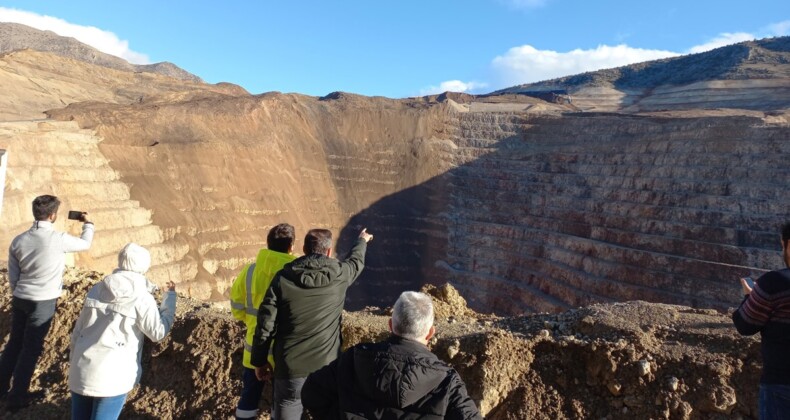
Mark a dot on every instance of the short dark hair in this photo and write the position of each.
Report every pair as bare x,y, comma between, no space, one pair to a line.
281,238
785,232
45,206
317,241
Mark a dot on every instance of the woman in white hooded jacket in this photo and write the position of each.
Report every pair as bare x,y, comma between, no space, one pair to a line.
107,342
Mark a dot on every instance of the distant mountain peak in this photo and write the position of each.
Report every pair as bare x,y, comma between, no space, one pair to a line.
15,36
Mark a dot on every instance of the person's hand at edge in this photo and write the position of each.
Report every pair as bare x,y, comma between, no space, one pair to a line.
364,235
170,286
264,373
84,218
745,286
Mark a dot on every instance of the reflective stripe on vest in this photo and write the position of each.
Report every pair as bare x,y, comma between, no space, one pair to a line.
251,310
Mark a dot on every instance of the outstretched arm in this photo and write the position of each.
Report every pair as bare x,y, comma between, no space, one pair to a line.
83,243
155,322
352,266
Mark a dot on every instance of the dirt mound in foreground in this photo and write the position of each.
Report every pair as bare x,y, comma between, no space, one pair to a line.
629,360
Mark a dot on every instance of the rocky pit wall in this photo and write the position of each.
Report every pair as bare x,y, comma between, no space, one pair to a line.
526,205
524,211
217,173
613,361
551,213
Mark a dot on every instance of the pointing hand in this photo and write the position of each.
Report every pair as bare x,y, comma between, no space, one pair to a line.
365,235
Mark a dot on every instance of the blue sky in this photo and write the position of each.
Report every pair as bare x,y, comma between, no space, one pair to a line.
403,48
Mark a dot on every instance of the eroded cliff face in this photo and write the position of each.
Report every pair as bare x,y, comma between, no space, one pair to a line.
218,172
525,205
523,211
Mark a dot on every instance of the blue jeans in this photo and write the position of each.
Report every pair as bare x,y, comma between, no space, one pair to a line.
774,402
287,404
250,395
30,322
96,408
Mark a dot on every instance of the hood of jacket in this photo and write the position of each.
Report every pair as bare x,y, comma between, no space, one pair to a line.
312,271
398,373
117,291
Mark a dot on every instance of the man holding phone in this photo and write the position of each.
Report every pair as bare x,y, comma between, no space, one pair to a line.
36,260
765,310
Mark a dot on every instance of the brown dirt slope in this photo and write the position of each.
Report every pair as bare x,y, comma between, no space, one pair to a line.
620,361
34,81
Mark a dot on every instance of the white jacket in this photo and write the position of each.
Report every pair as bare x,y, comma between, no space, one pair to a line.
107,342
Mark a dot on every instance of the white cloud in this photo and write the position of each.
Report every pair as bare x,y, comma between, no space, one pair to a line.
723,39
779,29
102,40
527,64
453,86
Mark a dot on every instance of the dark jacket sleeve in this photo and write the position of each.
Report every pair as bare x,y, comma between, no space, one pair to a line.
320,393
266,327
743,326
352,266
461,406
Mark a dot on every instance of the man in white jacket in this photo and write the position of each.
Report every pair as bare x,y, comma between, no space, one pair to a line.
107,341
36,260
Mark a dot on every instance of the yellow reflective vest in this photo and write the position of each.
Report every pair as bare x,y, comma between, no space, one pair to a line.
248,291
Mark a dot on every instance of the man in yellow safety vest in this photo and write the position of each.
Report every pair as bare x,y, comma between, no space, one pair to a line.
246,295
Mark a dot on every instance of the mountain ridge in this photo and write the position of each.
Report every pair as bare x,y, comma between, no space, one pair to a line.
16,36
685,69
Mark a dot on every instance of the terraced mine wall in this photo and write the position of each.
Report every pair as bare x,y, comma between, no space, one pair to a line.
548,213
562,212
522,212
59,158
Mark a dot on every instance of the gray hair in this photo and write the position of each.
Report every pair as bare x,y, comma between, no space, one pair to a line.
412,315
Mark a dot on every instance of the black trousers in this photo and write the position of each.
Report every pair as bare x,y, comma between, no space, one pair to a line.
30,323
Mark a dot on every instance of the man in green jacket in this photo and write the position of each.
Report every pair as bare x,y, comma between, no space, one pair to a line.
301,313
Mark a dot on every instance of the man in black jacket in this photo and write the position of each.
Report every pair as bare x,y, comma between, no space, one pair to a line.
397,378
301,313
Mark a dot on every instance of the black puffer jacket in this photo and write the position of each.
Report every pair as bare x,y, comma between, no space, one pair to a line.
394,379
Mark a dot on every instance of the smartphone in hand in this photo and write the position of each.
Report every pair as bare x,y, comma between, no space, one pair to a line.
75,214
749,281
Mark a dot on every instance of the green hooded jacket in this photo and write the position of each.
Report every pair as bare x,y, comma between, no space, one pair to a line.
301,313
